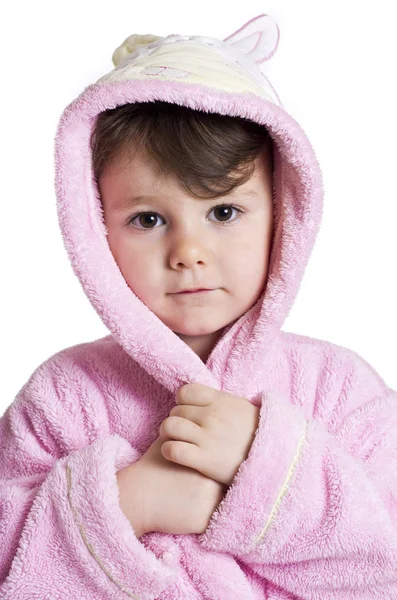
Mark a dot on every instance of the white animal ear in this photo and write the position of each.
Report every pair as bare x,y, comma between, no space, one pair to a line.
257,39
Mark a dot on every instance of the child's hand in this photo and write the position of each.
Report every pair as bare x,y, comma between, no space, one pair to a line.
210,431
173,498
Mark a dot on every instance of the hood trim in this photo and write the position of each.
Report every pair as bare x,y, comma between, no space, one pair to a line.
298,203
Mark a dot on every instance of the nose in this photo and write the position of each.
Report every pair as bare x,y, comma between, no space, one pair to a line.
187,251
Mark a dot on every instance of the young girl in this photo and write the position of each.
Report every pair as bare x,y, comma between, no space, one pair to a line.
197,451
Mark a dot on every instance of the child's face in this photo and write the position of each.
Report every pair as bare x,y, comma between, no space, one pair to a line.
187,243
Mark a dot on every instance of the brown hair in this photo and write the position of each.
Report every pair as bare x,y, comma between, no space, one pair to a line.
208,153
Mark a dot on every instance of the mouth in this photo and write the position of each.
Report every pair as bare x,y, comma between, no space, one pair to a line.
201,291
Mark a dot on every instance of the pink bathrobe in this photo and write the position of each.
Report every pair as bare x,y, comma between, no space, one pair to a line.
312,511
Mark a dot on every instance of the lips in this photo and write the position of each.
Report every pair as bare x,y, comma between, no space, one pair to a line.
194,291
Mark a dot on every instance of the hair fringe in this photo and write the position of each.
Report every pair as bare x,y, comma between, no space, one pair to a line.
208,153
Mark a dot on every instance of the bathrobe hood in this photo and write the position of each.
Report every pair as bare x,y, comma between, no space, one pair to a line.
202,73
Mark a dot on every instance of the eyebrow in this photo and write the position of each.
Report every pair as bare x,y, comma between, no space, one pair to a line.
132,201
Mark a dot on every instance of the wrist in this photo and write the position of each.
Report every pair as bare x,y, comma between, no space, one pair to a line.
131,498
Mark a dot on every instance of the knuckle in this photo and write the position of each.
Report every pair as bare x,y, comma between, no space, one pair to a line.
163,429
169,426
212,418
174,451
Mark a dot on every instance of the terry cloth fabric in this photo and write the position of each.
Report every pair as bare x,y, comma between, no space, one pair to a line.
312,511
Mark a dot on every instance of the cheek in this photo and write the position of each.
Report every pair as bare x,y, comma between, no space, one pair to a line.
143,274
138,267
247,266
247,256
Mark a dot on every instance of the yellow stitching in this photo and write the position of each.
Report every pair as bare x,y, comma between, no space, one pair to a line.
284,487
89,546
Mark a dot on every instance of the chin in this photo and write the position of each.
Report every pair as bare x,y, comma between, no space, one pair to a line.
194,329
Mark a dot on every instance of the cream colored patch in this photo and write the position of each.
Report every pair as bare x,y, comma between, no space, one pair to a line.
85,540
285,485
204,64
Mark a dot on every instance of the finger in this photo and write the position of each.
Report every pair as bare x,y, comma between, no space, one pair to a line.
195,394
183,453
187,455
190,413
178,428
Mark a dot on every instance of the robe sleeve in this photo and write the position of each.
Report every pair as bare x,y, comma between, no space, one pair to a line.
62,531
313,508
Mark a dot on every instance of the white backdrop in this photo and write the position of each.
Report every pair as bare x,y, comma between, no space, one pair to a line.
333,72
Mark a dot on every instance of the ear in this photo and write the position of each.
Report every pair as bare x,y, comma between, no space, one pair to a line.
258,39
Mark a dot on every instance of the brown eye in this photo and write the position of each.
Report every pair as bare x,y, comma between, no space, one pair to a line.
145,219
223,212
